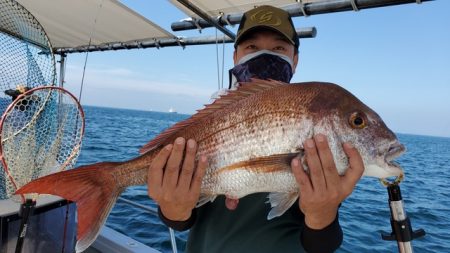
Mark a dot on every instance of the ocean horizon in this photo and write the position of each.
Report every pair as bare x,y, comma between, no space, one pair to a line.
190,114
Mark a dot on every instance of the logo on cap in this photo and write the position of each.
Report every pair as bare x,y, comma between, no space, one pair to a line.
266,18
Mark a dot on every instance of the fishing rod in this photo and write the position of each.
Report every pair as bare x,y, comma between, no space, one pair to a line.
402,231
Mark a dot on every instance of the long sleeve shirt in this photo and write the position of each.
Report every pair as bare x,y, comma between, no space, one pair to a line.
214,228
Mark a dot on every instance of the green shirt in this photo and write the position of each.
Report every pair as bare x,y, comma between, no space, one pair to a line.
245,229
216,229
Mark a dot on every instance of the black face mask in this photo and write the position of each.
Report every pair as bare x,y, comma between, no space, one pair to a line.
263,64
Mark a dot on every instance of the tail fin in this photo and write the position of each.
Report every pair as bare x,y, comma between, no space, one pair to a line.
94,190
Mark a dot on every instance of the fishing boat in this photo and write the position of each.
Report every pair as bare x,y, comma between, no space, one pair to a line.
116,26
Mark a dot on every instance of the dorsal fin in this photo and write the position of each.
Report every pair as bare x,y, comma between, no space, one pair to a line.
243,91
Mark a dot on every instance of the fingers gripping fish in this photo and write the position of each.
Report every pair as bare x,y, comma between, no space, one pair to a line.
250,136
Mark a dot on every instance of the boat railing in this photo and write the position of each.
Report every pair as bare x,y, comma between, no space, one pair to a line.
153,211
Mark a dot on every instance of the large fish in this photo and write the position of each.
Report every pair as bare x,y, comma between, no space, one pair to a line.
249,136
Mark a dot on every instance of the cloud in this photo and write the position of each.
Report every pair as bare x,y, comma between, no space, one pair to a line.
125,88
125,79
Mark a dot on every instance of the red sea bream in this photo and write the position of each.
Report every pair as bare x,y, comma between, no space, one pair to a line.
250,136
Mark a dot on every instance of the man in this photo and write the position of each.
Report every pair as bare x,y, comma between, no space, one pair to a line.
266,37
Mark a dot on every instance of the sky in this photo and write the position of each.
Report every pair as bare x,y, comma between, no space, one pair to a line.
395,59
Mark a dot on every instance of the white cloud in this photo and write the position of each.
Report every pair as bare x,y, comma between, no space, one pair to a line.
125,79
124,88
98,70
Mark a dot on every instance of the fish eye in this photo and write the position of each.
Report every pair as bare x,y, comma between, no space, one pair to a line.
358,120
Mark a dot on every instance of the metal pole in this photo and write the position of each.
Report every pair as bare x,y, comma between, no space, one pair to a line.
401,226
298,9
62,70
309,32
148,209
173,241
207,18
26,210
153,211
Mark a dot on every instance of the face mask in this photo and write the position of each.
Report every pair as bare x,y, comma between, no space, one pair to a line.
263,64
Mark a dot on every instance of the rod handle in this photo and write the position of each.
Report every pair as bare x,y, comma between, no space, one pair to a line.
402,232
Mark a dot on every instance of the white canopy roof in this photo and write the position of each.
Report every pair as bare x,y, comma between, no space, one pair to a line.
72,23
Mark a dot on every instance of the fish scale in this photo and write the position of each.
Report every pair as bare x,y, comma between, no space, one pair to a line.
250,136
264,132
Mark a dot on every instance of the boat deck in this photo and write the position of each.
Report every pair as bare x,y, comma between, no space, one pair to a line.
111,241
50,217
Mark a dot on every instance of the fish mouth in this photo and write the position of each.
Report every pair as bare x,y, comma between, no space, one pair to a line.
384,166
394,151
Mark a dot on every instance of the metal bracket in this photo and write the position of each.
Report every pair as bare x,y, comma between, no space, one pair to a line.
225,18
218,18
302,8
157,45
179,42
138,44
222,18
199,28
354,6
194,22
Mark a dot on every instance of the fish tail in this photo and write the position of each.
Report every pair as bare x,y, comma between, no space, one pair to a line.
94,190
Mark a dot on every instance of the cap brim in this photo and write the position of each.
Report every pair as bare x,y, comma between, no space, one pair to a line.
255,28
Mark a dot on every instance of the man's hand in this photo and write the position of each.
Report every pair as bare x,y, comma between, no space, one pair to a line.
174,182
324,189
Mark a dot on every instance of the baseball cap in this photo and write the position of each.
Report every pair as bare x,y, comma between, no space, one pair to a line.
267,17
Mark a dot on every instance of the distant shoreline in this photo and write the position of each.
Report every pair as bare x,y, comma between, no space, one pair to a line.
132,109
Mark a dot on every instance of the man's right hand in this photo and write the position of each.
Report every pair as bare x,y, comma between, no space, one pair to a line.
174,181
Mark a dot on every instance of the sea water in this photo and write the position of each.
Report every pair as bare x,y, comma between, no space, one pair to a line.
117,135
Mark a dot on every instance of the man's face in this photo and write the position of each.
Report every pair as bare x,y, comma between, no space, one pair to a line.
268,40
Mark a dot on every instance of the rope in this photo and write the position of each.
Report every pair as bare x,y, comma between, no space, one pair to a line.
87,51
223,59
217,62
219,79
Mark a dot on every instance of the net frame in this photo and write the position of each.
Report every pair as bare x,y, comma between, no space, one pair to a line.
69,160
26,52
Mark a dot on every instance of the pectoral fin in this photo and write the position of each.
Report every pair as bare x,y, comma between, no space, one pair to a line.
280,203
264,164
205,198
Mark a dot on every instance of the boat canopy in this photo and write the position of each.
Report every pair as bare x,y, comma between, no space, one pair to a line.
70,24
98,25
216,8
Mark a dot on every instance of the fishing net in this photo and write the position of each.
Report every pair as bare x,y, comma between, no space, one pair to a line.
25,51
26,59
40,133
